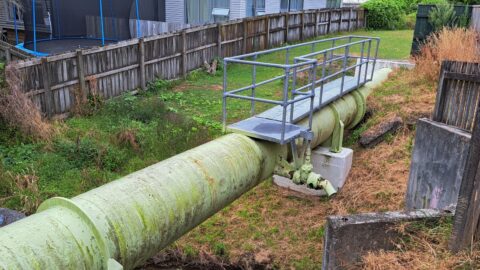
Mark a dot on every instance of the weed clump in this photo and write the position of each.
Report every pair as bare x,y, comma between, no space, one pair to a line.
456,44
18,111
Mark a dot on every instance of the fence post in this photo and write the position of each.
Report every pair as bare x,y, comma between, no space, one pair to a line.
8,56
267,41
141,62
356,18
302,22
315,28
467,211
340,22
46,86
184,53
219,40
329,24
81,75
287,19
365,21
245,35
349,19
439,103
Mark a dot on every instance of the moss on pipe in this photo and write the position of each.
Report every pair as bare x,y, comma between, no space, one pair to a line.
131,219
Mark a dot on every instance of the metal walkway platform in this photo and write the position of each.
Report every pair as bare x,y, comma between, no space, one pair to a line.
299,98
331,91
266,129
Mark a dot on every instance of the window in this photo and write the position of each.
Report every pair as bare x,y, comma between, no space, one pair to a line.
291,5
255,7
200,11
11,15
334,3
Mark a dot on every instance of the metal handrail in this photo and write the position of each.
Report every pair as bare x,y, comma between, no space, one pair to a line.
292,93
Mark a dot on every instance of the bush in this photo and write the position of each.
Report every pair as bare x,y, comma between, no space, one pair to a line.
411,20
434,2
385,14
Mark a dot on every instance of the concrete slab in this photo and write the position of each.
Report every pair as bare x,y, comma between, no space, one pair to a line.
288,184
438,163
348,238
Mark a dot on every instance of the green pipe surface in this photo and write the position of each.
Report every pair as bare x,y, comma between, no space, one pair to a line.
127,221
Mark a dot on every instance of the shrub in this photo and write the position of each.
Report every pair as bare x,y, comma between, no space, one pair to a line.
449,44
385,14
442,16
82,153
411,20
434,2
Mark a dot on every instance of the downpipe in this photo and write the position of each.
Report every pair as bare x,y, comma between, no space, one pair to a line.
123,223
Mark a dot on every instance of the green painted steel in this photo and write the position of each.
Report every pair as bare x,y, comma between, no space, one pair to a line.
127,221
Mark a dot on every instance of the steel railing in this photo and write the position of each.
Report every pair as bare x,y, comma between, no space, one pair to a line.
339,57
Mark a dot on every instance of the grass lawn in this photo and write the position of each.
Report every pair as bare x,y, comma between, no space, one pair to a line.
131,132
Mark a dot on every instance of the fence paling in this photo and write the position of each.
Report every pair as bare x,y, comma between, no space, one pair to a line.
457,104
458,94
114,69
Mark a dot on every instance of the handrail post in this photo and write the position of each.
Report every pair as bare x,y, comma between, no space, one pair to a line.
284,105
254,80
368,59
360,67
224,104
376,56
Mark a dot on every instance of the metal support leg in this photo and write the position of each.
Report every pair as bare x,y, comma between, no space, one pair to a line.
336,140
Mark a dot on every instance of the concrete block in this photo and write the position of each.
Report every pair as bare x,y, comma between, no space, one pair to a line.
438,162
348,238
334,167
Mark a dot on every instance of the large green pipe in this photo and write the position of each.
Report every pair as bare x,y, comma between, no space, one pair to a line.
127,221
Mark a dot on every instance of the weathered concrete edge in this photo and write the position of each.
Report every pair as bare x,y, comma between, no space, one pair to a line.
371,226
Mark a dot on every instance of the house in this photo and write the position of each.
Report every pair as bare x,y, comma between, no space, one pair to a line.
206,11
353,3
11,20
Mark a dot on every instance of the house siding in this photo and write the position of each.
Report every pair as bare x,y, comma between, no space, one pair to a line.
314,4
272,6
238,9
175,11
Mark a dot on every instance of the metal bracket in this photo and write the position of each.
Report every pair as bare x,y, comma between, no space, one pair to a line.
336,140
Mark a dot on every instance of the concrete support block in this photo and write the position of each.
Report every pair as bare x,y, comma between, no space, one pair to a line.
334,167
348,238
438,163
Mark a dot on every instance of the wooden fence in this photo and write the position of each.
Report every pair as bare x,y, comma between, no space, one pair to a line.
458,94
457,104
109,71
11,53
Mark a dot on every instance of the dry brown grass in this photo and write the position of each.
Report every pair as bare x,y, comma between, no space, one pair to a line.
128,137
449,44
19,111
422,247
25,187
